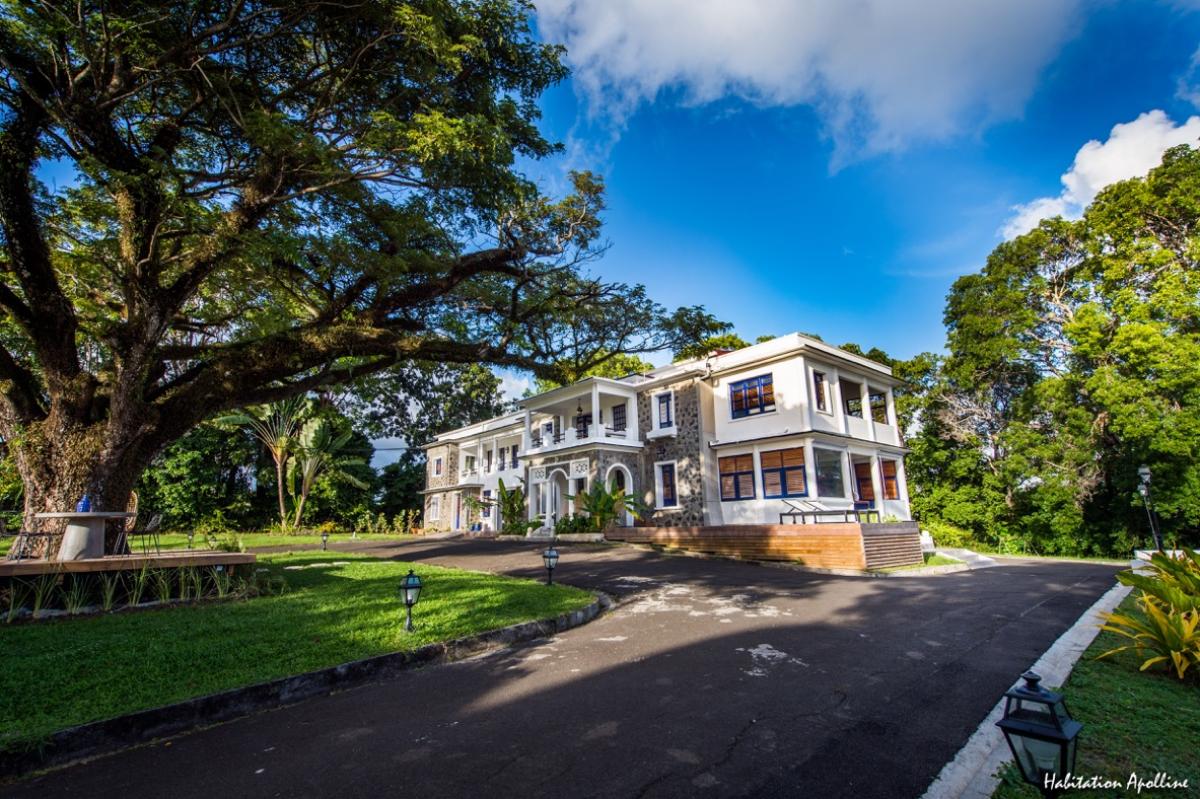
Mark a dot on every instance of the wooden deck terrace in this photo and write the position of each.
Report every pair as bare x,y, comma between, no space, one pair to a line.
828,545
113,563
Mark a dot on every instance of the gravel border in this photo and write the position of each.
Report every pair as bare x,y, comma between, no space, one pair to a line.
110,735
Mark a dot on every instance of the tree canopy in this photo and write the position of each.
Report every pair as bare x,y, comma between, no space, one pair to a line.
269,198
1074,357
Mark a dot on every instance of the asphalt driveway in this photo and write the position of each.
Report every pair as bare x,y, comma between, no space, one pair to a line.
710,678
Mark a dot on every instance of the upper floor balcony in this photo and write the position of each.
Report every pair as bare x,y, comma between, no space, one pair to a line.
593,411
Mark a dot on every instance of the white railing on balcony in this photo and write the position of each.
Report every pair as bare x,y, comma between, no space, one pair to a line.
583,434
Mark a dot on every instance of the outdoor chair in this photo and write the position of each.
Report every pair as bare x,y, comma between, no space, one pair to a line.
148,534
130,529
22,548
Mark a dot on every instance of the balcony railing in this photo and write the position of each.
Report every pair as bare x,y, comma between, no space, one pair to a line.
581,434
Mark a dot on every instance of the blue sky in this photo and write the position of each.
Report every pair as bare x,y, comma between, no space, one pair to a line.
832,167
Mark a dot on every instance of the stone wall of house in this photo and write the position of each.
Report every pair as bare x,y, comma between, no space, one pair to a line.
449,455
450,499
445,518
683,448
604,460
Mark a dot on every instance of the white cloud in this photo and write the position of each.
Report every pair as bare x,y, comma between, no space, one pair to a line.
513,385
1132,149
1187,86
880,74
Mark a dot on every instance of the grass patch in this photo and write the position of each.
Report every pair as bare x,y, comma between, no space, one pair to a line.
930,559
1134,722
260,540
63,673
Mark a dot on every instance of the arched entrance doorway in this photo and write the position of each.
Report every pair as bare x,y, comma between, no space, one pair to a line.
619,477
557,497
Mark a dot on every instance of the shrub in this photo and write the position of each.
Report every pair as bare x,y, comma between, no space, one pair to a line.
947,535
572,524
1170,601
604,506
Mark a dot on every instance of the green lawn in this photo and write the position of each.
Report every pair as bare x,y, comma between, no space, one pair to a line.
931,559
62,673
259,540
1143,722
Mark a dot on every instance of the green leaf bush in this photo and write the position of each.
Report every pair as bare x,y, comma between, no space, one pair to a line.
1169,633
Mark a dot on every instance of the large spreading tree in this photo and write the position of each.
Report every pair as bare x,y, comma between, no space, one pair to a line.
1074,357
209,205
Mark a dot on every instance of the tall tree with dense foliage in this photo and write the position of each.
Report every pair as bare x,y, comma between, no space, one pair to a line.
204,477
1075,357
410,404
617,366
271,198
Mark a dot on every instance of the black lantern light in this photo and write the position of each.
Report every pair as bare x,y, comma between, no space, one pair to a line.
324,539
410,592
550,558
1147,500
1041,734
191,534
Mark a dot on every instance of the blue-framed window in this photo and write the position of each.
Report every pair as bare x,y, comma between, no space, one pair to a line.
752,397
783,473
503,457
670,497
737,477
485,512
666,413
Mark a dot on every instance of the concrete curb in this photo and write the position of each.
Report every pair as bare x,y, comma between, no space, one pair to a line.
110,735
972,772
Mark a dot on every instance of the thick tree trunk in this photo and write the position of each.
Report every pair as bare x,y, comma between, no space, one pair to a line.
60,463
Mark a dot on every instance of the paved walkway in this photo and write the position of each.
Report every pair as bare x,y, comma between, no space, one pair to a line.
711,678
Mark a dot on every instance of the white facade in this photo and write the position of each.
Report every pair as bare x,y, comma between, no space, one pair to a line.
791,420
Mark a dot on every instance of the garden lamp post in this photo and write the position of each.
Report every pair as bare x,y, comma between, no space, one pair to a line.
1041,734
191,534
1147,500
324,539
410,593
550,558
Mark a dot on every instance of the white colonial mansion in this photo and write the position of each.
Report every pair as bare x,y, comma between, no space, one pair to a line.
734,438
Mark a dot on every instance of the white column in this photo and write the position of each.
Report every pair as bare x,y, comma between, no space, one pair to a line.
631,419
893,420
847,477
902,484
833,390
877,484
758,479
595,429
866,410
810,469
527,431
810,406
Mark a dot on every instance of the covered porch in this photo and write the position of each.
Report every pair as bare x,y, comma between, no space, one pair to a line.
595,410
